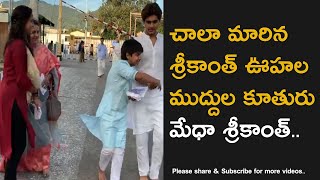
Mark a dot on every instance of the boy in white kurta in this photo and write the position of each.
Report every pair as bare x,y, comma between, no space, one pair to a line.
147,114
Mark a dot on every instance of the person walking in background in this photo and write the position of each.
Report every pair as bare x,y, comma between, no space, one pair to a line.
50,46
102,56
116,50
55,48
81,51
17,81
147,114
74,51
69,49
110,124
91,52
63,52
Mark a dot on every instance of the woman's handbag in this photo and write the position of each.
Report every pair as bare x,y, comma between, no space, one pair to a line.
53,108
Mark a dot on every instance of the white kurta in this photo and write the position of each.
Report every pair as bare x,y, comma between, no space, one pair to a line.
147,114
102,56
116,53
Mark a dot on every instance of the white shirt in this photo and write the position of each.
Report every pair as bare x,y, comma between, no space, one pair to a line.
102,51
151,61
116,54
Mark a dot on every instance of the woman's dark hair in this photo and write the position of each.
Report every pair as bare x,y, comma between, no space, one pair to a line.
130,46
35,22
19,18
151,9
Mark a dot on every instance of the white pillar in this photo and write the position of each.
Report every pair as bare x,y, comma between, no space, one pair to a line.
86,26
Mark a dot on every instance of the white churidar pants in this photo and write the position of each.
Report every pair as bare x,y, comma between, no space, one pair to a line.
116,155
147,116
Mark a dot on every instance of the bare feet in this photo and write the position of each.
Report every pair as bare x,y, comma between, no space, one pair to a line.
45,173
143,177
102,175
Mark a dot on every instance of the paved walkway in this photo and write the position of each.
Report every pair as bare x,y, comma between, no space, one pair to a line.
81,92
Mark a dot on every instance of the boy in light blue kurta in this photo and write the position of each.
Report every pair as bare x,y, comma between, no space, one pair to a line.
110,124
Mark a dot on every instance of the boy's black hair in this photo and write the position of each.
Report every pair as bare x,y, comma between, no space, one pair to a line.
151,9
130,46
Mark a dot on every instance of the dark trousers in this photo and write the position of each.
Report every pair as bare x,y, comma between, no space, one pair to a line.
18,142
81,57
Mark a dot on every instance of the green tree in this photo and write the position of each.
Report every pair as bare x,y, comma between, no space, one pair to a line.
118,13
109,33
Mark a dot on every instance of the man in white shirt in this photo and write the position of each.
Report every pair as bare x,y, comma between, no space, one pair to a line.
147,114
102,56
116,50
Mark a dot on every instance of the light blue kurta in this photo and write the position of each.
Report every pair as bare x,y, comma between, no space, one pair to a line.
110,123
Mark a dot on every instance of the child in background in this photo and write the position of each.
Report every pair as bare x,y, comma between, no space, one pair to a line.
91,51
110,123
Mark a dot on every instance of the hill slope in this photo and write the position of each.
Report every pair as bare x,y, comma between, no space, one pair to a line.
71,18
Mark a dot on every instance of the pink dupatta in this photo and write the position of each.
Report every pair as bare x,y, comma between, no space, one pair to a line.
46,61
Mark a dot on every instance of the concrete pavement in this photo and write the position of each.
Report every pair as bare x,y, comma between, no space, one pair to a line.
81,92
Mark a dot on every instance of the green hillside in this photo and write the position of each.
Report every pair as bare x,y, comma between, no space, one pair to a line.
72,19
